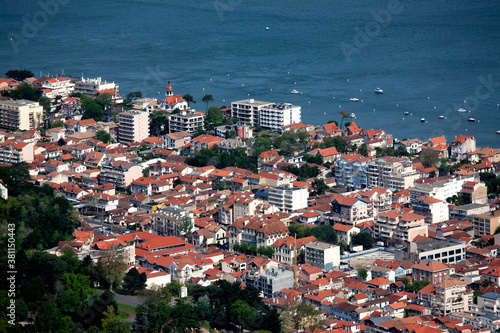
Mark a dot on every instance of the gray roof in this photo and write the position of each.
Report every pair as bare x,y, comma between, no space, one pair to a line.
494,296
378,320
491,317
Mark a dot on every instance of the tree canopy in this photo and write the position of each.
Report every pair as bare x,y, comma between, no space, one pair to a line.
19,74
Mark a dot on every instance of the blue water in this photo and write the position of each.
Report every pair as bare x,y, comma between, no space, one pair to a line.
428,56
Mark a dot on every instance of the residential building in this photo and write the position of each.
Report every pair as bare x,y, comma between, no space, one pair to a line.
172,102
475,192
444,250
288,198
91,87
284,248
466,212
176,140
399,226
412,146
485,224
462,145
186,121
431,270
256,231
134,126
167,221
440,188
120,174
14,152
58,86
323,255
278,115
345,232
350,210
351,171
433,209
488,303
393,173
379,196
204,141
20,114
248,110
273,280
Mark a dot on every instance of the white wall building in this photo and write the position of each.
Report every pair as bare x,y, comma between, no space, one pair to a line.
288,198
248,110
91,87
134,126
279,115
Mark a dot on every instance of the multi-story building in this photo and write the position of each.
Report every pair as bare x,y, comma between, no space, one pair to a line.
399,226
20,114
134,126
488,303
120,174
256,231
15,152
475,192
273,280
351,171
284,248
440,188
204,141
91,87
248,110
278,115
323,255
58,86
176,140
350,210
462,145
187,121
466,212
395,174
433,209
449,296
431,270
288,198
381,198
167,221
440,249
485,224
172,102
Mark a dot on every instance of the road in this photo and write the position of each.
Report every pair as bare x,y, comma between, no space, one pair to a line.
97,225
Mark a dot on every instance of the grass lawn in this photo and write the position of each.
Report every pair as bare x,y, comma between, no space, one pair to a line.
127,307
123,315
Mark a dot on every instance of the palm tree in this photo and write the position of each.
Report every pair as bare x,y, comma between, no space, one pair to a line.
207,99
344,115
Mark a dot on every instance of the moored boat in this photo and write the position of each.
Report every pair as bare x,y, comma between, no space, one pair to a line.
471,119
294,91
354,99
378,91
461,110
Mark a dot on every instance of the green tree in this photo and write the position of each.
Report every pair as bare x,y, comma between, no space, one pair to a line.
214,116
46,103
363,150
57,123
133,95
244,314
19,75
428,158
261,144
203,307
333,121
363,273
112,323
111,267
344,116
91,109
134,280
319,187
105,100
158,123
50,319
299,230
103,136
186,225
301,315
207,99
325,233
363,238
189,98
25,91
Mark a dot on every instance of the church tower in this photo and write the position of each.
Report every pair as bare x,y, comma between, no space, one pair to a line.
169,90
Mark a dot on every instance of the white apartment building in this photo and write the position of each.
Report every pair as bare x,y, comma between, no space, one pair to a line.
59,86
279,115
288,198
187,121
167,221
351,171
20,114
399,226
433,209
323,255
91,87
15,152
440,188
134,126
248,110
488,303
395,174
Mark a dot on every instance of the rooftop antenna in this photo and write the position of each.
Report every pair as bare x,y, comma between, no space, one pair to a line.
63,71
295,271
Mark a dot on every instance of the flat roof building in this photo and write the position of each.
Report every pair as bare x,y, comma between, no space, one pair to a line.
20,114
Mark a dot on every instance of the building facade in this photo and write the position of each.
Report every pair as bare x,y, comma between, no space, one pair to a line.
134,126
187,121
278,115
20,114
288,198
248,111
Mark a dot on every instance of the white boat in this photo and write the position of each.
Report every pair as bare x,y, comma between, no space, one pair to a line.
406,113
471,119
353,115
267,28
354,99
294,91
461,110
441,117
498,132
422,120
378,91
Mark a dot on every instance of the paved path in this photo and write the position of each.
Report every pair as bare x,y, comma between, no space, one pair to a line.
128,299
131,315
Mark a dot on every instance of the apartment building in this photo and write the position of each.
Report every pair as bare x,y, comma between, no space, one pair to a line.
12,151
167,221
248,110
58,86
288,198
20,114
120,174
485,224
393,173
431,270
379,196
399,226
186,121
273,280
176,140
433,209
350,210
449,297
204,141
278,115
466,212
351,171
134,126
440,188
440,249
256,231
488,303
91,87
323,255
